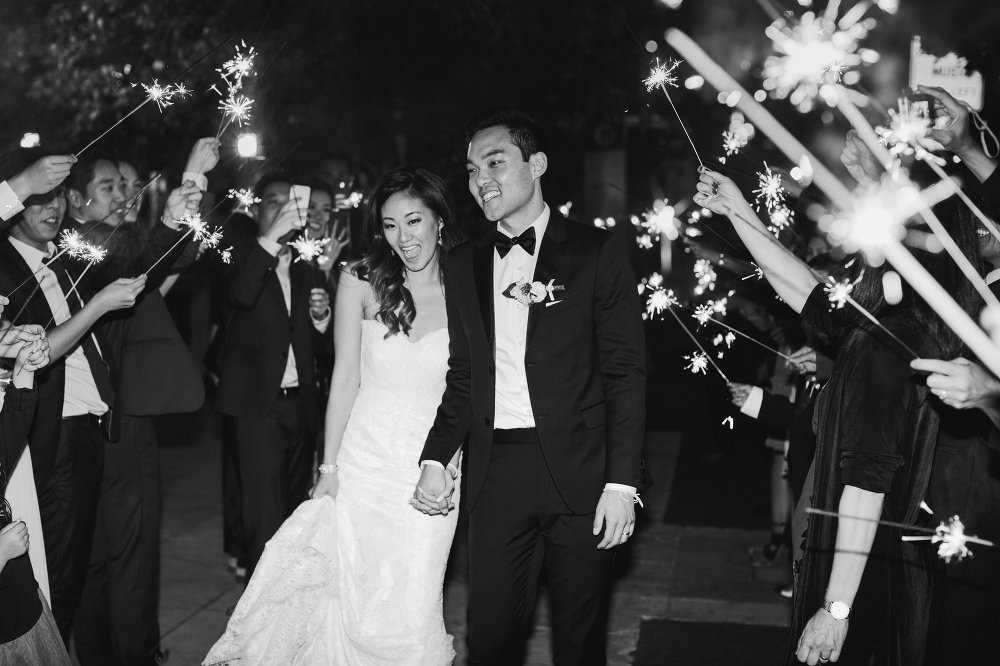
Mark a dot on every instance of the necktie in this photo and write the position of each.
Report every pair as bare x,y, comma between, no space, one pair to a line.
98,367
504,243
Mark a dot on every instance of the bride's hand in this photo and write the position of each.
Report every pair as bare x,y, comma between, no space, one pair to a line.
326,484
717,193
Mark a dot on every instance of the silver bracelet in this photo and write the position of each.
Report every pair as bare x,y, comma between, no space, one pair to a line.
327,468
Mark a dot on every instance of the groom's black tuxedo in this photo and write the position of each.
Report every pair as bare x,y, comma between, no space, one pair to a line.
584,359
532,493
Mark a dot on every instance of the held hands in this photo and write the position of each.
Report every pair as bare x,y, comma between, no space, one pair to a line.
319,303
618,516
953,124
31,357
822,639
434,490
13,541
860,160
204,156
182,201
121,293
961,383
43,176
718,193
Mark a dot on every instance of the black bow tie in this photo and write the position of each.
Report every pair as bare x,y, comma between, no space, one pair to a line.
504,242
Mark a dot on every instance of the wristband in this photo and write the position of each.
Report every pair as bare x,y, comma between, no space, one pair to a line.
327,468
454,471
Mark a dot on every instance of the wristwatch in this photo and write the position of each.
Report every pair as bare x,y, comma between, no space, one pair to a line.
838,609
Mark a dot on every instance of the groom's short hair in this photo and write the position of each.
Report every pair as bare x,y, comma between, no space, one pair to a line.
524,130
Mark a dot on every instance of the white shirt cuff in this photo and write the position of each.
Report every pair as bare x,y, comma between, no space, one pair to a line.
435,463
199,179
9,203
322,324
752,406
618,486
272,247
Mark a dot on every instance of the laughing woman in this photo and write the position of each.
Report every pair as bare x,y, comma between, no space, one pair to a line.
861,592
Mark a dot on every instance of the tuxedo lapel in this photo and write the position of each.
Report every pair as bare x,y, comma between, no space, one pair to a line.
547,267
482,270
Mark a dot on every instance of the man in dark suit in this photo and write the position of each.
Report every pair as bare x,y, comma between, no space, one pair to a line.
279,322
76,406
119,618
547,372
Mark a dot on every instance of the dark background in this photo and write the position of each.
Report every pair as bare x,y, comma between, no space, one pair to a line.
391,82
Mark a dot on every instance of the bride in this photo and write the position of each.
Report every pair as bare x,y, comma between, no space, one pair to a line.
355,575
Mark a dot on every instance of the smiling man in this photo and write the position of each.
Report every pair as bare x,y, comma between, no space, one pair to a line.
550,384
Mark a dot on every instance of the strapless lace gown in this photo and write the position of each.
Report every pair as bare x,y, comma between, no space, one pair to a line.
359,580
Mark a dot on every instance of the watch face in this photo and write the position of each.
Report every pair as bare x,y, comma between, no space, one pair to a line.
839,610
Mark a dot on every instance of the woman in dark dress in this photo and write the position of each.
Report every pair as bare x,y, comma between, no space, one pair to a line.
876,431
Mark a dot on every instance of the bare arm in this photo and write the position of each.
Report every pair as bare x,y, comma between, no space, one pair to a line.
790,277
118,295
350,311
823,636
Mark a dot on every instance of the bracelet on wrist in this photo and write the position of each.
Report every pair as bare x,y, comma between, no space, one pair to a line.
327,468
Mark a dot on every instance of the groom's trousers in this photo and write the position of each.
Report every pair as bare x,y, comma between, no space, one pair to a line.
519,524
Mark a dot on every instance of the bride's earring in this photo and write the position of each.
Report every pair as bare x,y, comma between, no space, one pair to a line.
440,239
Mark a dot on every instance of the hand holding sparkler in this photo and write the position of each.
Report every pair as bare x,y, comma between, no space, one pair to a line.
120,294
961,384
13,337
804,360
860,160
42,176
32,356
953,133
718,193
204,155
183,201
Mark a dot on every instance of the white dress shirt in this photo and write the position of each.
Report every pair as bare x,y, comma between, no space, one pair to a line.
10,205
80,395
290,378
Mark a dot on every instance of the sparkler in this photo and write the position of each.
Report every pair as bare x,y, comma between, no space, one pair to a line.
155,93
781,217
733,332
662,299
308,248
839,292
703,313
950,535
245,197
757,271
227,255
657,222
235,107
770,189
660,77
202,234
906,131
706,276
698,363
810,53
733,141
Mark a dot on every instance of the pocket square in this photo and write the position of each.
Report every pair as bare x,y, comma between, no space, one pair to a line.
551,303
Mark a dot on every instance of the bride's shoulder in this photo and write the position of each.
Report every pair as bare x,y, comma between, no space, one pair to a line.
352,275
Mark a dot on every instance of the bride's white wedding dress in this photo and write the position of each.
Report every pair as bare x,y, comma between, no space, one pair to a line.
359,580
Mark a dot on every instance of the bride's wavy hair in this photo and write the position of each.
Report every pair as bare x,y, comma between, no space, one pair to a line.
380,266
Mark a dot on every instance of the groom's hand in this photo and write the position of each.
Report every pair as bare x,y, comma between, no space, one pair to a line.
618,514
433,494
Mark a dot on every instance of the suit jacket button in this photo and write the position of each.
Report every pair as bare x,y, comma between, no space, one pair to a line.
492,370
487,420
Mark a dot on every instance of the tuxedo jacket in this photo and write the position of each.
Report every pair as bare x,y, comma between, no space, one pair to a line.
584,359
258,333
28,306
157,373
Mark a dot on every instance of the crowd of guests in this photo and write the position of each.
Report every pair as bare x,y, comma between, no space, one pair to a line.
903,431
96,355
895,421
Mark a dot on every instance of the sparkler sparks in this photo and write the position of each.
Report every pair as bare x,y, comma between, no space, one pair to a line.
662,75
237,107
907,130
757,271
730,339
733,141
308,248
72,243
660,300
952,539
810,53
227,255
838,292
698,362
656,222
877,218
771,190
781,217
706,276
703,313
240,66
161,94
719,306
245,197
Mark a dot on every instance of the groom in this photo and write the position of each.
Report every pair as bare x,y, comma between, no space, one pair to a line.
547,371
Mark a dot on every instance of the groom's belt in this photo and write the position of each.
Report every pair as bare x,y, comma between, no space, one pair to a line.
515,436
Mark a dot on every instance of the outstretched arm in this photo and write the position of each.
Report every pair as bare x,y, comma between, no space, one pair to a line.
790,277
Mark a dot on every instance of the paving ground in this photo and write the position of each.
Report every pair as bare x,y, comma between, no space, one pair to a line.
688,573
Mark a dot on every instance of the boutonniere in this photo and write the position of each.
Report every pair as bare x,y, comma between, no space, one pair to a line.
527,293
